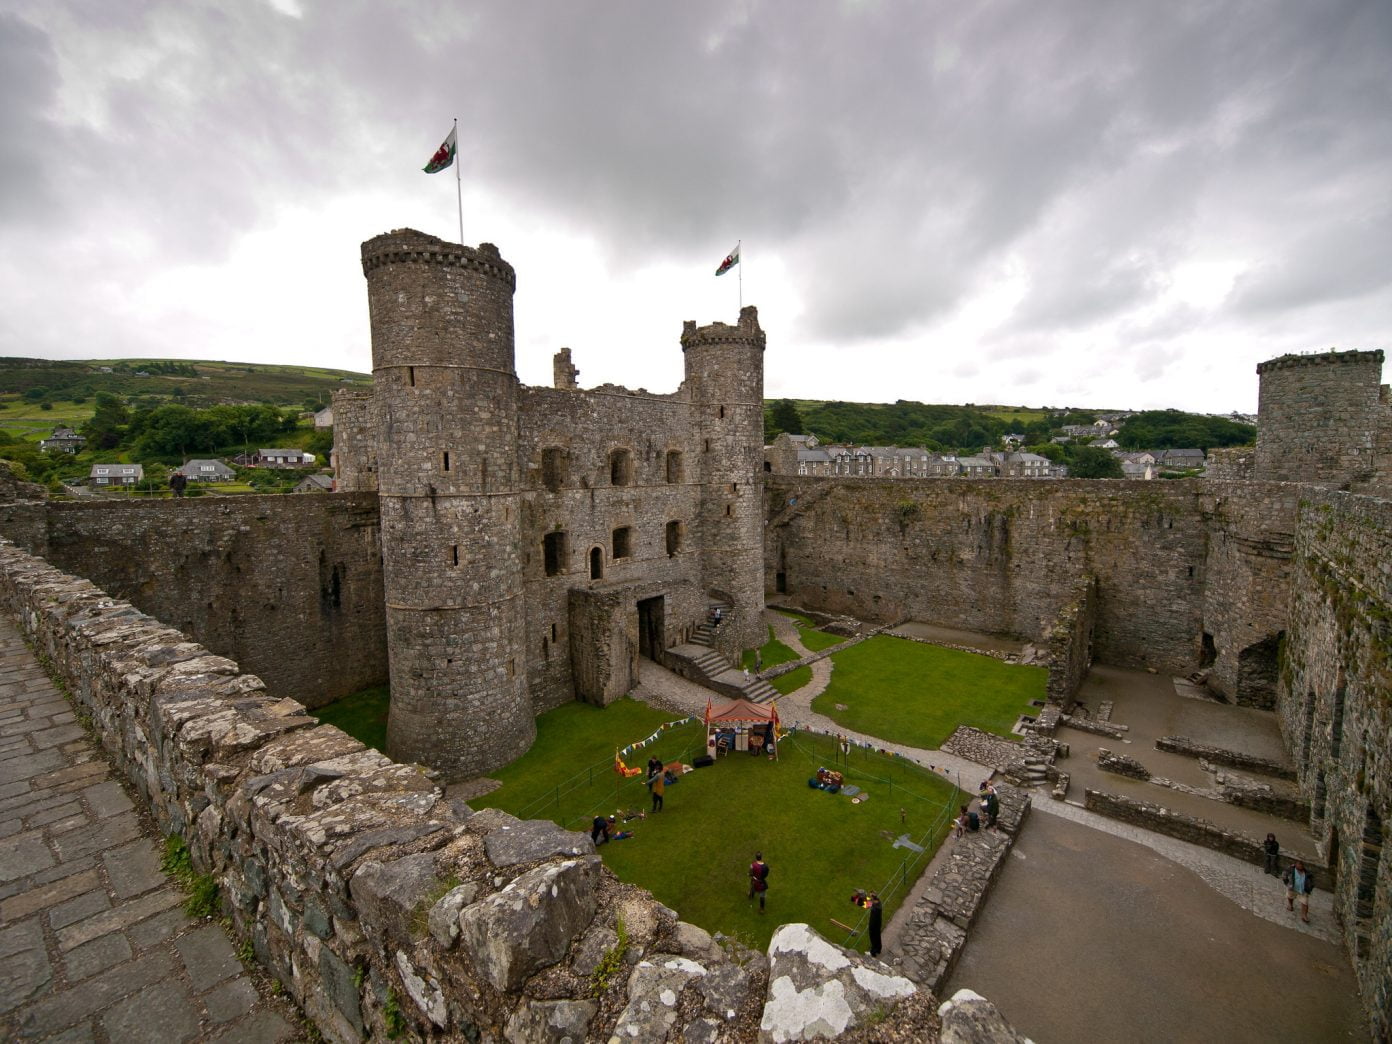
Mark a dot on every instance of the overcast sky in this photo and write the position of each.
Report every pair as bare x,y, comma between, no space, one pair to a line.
992,201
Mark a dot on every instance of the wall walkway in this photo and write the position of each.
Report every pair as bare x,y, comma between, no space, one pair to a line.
93,942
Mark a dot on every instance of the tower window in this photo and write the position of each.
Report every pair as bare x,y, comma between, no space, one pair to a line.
620,468
553,468
674,466
623,542
555,550
411,376
445,459
596,564
454,554
674,537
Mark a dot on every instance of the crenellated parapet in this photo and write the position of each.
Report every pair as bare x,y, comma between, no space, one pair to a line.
407,246
1329,358
746,332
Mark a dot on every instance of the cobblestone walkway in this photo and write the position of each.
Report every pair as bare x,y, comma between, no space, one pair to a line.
94,945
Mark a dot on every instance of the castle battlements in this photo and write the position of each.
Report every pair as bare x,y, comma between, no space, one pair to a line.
747,332
1330,358
407,246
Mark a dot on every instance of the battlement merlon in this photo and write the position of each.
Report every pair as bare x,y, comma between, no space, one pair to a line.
407,246
1290,362
747,332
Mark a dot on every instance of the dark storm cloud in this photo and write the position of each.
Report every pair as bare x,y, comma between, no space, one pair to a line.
896,158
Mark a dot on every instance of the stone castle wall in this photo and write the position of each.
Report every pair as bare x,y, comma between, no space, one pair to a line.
566,438
354,455
1246,593
996,556
1335,707
1321,419
387,910
446,411
537,541
289,586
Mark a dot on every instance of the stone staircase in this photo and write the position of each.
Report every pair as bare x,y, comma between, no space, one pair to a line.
697,660
1035,771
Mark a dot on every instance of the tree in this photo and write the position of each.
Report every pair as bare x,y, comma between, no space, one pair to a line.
1092,462
787,417
107,427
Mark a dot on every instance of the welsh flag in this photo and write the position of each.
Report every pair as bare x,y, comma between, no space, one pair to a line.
444,155
731,260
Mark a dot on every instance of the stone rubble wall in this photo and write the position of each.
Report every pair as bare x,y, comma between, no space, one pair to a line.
385,908
1161,820
1221,756
1009,758
1121,764
935,934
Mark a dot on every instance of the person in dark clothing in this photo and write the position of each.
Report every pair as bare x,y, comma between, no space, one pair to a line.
872,903
1272,848
758,879
177,481
600,828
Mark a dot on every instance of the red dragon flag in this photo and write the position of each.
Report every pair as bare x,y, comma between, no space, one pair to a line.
731,260
444,155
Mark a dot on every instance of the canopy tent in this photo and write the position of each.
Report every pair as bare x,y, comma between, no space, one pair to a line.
741,725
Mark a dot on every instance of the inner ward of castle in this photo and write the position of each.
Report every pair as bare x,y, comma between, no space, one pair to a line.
496,550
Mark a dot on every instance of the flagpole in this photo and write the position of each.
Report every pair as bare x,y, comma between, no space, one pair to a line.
739,249
458,185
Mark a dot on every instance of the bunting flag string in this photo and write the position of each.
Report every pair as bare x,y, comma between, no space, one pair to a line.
642,743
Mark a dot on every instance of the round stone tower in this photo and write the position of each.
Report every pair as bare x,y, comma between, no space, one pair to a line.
1318,418
446,414
725,378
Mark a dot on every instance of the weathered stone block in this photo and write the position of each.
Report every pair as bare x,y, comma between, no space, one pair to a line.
531,923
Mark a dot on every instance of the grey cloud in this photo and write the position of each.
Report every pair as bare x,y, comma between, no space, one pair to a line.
34,152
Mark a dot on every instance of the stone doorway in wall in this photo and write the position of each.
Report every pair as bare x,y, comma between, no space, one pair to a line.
1258,669
651,627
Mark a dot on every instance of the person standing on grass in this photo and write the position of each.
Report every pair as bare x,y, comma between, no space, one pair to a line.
658,783
758,879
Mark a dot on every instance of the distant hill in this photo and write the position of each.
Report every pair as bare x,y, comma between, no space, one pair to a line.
968,428
189,381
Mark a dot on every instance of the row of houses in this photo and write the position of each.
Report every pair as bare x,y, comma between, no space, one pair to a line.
204,470
804,455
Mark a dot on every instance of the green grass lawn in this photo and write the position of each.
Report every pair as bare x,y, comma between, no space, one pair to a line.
363,715
694,855
812,639
793,680
773,652
915,694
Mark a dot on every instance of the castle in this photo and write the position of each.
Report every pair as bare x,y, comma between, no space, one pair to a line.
497,550
537,541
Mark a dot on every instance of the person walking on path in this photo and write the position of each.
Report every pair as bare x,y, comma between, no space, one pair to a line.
758,879
1299,882
658,783
1272,848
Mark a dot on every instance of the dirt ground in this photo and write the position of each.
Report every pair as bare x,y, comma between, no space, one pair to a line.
1088,937
1150,705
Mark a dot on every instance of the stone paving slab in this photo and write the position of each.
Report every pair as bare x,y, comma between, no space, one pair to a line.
94,944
